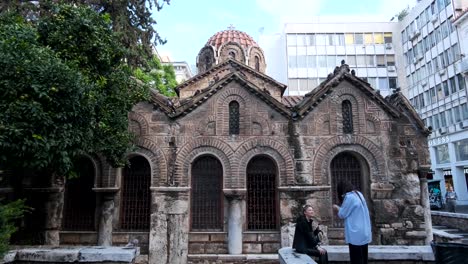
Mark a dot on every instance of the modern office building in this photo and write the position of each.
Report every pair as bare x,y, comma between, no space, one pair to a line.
424,55
436,86
310,50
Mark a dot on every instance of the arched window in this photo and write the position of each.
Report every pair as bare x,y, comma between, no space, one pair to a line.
344,168
136,195
261,194
207,62
206,196
80,199
257,63
233,118
347,112
232,55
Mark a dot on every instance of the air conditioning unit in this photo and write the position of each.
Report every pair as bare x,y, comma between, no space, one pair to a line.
434,18
388,46
423,82
420,57
391,68
442,72
463,124
415,60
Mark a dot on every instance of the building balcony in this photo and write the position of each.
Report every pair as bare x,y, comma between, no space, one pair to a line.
464,66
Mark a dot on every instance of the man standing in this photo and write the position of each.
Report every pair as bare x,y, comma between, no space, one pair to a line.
355,213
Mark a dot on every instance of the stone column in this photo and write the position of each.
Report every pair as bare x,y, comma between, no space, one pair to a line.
235,219
422,173
107,215
168,241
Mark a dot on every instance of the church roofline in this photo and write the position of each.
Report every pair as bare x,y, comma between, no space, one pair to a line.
234,64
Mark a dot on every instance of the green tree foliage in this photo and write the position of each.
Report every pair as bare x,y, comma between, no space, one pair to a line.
63,90
402,14
131,19
8,213
158,76
45,111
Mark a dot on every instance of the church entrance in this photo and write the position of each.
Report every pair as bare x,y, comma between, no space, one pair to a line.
344,167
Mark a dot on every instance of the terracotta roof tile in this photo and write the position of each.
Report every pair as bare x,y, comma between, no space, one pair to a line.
232,35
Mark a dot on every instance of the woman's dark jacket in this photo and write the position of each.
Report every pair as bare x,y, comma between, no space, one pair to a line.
304,237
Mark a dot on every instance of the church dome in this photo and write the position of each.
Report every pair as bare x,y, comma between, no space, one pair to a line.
231,35
231,44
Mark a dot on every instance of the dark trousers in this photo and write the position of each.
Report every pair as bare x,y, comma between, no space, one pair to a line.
358,254
322,259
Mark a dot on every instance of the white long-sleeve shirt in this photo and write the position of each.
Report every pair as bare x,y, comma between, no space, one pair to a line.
355,213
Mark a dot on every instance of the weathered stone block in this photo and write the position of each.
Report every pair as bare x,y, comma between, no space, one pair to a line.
269,237
253,248
199,237
216,248
219,237
270,247
196,248
249,237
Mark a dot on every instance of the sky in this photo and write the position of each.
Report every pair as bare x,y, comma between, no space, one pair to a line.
187,25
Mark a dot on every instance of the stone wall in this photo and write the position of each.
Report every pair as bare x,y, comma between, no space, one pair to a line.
452,220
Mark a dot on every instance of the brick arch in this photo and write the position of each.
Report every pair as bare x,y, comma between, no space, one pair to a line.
96,160
203,124
205,145
156,158
376,122
264,123
142,122
223,52
357,144
318,124
256,51
264,146
222,110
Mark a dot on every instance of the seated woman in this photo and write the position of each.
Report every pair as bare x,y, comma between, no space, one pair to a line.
306,240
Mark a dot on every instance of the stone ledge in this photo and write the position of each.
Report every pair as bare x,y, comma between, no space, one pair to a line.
448,214
288,256
424,253
234,257
376,253
73,254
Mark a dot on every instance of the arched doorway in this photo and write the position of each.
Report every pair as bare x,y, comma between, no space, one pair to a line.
136,195
262,198
80,199
206,203
345,167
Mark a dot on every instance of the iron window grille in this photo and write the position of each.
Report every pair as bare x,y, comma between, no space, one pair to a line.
206,196
344,168
80,199
233,118
347,112
136,195
261,194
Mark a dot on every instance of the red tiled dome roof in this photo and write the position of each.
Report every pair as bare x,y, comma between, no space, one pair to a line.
231,35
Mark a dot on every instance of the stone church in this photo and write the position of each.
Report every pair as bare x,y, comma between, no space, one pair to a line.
225,167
